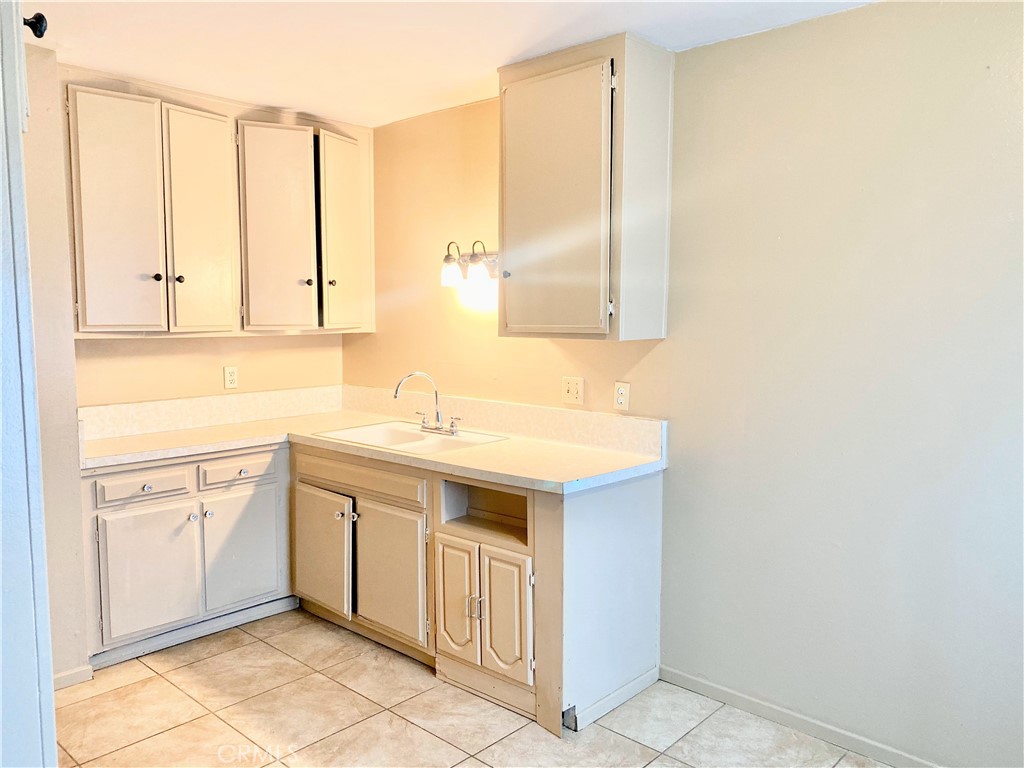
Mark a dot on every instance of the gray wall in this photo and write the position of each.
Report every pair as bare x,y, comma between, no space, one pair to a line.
843,505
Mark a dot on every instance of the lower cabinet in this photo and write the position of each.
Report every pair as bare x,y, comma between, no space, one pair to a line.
391,569
322,548
485,606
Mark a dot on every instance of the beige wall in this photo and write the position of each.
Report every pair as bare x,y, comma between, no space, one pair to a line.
842,374
52,324
436,179
132,370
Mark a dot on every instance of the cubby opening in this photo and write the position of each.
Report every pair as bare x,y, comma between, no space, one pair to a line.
484,512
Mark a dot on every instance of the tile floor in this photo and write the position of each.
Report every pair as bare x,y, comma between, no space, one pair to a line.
293,690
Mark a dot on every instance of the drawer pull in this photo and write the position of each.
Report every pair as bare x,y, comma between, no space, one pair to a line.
480,608
470,602
193,518
208,514
147,488
243,472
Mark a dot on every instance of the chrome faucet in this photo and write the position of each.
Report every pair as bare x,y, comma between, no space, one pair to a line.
438,425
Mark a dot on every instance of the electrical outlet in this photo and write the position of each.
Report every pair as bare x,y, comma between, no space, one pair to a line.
230,377
621,396
572,389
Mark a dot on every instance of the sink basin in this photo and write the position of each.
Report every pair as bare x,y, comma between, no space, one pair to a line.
408,438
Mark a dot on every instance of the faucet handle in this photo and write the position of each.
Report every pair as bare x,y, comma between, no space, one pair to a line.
423,419
453,427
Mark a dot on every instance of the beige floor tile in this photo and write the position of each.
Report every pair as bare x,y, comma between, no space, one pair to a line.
460,718
659,715
115,719
278,623
384,676
203,742
853,760
103,680
196,650
664,761
321,644
738,739
295,715
230,677
64,759
593,747
384,740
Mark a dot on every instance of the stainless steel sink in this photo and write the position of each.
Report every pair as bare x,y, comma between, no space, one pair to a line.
408,438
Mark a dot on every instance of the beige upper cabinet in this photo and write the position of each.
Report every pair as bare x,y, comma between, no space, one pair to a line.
117,184
346,234
585,192
201,200
278,226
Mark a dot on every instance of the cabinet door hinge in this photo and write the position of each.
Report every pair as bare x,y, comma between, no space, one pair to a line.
101,626
615,82
67,107
428,626
531,579
236,139
611,307
533,664
96,535
426,533
76,309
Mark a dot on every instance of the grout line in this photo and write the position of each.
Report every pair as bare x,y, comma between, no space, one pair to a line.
195,661
837,762
711,714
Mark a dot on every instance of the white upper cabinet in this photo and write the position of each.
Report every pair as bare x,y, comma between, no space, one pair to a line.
118,183
585,192
201,200
278,226
346,233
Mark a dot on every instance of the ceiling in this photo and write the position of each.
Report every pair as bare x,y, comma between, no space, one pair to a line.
371,63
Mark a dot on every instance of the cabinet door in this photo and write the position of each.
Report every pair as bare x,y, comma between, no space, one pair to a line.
556,198
506,613
278,223
201,207
240,536
457,584
345,234
149,568
118,193
322,548
391,569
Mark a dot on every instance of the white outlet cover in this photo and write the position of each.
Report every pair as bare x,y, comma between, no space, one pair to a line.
572,389
621,396
230,377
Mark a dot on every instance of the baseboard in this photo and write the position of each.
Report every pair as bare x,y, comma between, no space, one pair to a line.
603,706
191,632
830,733
72,677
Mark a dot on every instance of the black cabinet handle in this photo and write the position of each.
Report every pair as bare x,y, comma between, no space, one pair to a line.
179,279
332,282
158,277
309,281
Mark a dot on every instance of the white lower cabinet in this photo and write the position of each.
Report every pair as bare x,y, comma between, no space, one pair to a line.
149,567
240,536
322,548
485,606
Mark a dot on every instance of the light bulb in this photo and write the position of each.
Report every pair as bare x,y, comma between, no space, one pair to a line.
477,272
451,273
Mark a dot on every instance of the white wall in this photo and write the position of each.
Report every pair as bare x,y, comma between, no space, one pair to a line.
53,325
843,506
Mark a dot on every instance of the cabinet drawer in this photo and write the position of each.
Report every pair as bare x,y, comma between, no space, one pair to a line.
144,485
237,469
409,489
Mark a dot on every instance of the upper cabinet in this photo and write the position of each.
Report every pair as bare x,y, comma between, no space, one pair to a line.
278,226
118,192
156,214
180,222
201,204
585,192
345,214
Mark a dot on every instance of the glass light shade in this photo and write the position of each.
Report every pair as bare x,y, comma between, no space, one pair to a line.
477,272
451,273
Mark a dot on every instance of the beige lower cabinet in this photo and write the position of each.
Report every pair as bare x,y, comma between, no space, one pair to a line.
546,603
485,606
214,541
322,548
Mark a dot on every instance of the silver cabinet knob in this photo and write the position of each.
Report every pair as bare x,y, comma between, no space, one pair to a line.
243,472
147,488
355,516
506,274
338,515
208,514
193,518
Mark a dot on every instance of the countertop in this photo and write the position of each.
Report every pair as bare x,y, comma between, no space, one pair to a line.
523,462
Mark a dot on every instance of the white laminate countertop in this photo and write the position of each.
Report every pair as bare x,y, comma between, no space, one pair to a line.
523,462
